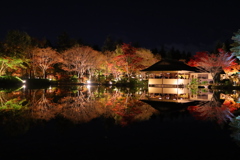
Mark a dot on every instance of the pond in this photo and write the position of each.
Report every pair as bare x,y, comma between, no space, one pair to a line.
94,122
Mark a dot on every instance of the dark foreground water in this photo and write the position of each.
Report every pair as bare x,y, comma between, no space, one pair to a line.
178,135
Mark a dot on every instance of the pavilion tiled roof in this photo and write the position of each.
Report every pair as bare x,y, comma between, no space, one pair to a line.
170,65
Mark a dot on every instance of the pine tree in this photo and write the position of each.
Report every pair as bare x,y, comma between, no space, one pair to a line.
236,44
163,52
108,44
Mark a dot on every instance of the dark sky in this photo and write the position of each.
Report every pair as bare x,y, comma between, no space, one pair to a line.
186,25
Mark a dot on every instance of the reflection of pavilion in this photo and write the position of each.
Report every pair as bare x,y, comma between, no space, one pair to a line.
167,107
174,99
176,95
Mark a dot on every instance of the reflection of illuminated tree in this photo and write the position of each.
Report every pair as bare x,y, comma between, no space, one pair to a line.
230,103
80,108
42,107
11,100
127,109
212,110
3,99
13,113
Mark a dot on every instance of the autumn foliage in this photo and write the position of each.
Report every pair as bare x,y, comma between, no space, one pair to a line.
212,63
128,61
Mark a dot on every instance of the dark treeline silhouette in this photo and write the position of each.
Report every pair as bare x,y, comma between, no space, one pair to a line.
172,53
64,41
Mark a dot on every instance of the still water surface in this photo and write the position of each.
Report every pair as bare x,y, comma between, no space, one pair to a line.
77,122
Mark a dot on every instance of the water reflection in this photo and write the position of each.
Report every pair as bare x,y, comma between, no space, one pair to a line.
231,100
80,104
112,121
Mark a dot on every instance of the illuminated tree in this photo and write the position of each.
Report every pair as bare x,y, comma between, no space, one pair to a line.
212,63
109,65
79,59
44,58
148,58
127,60
233,69
10,62
236,44
94,63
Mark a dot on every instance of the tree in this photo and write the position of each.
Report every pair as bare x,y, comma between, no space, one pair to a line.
128,60
108,44
148,58
110,67
236,44
43,43
212,63
177,55
94,63
64,42
44,58
233,69
17,44
10,62
170,53
163,52
218,45
78,59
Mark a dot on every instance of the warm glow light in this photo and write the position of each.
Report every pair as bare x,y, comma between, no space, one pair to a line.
24,81
110,82
88,81
88,86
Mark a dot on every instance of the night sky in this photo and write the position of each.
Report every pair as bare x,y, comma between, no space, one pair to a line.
186,25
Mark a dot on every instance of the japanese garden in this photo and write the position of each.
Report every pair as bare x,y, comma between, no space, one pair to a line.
72,98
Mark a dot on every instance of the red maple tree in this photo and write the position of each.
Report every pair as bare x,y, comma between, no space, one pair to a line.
128,61
212,63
